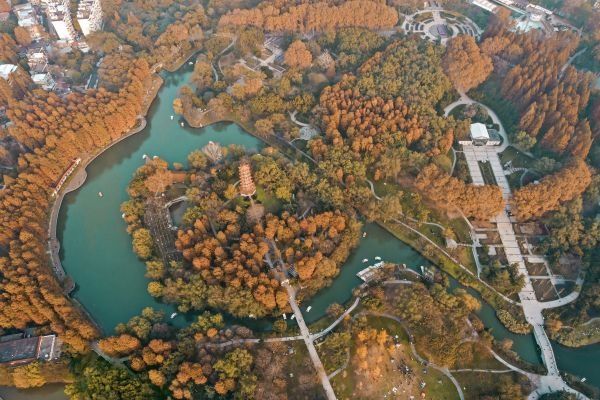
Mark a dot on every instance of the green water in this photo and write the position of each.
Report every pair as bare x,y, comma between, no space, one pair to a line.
52,391
96,250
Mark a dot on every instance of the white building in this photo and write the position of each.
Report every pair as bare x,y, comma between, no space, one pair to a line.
486,5
37,59
27,18
89,16
479,134
60,18
44,80
6,70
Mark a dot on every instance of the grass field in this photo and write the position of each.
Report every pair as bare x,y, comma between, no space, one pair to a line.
437,385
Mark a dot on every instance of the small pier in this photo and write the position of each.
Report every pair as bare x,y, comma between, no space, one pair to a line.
366,274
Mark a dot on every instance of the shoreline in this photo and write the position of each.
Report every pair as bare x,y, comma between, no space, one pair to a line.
77,180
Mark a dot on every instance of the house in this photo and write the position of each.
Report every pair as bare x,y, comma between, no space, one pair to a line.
19,349
6,70
37,59
28,18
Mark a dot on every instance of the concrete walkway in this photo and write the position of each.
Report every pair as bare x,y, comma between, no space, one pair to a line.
308,340
532,308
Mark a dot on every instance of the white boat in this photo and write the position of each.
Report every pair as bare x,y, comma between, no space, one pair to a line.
284,316
182,124
308,308
173,315
191,63
364,234
172,117
293,317
377,258
365,260
144,156
123,215
100,194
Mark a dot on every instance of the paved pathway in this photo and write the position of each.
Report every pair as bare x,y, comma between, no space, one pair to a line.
532,308
308,340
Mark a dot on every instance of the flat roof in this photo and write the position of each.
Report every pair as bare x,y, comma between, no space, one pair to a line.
6,70
20,349
479,131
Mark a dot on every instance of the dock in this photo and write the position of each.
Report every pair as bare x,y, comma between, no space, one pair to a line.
366,274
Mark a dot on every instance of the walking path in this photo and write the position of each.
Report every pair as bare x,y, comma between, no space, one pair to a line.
308,340
455,261
420,359
532,308
76,180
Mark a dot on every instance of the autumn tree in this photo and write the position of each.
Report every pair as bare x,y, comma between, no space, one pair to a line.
482,202
535,199
465,64
22,36
297,55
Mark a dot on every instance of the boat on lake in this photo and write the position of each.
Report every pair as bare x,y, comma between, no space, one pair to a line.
173,315
100,194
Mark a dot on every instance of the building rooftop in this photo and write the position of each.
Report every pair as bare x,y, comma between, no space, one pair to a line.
6,70
479,131
18,350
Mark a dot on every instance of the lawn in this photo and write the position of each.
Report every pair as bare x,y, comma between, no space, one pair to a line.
488,174
518,158
480,384
437,386
423,17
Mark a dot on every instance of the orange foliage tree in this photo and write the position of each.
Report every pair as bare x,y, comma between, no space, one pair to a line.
534,200
465,64
481,202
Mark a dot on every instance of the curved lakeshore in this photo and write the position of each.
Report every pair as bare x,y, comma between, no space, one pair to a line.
96,250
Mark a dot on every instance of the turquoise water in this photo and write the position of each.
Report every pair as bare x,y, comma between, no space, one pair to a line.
96,250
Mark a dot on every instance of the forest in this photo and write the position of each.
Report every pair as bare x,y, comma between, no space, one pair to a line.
313,16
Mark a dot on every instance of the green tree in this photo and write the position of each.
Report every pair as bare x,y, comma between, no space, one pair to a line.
142,243
97,379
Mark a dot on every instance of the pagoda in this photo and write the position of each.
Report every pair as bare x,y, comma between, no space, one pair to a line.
247,187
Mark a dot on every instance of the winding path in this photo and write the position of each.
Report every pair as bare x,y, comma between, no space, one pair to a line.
413,349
